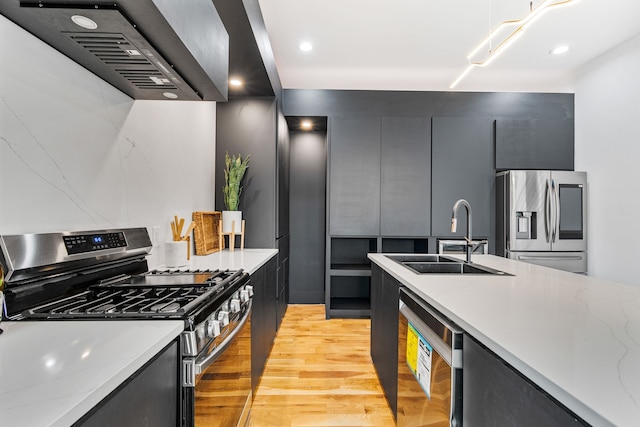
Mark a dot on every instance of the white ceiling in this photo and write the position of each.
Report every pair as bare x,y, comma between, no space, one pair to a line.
422,44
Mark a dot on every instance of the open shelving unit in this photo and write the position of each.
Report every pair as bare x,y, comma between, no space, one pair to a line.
348,278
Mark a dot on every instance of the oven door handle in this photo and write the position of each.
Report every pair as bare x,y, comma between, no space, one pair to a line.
202,365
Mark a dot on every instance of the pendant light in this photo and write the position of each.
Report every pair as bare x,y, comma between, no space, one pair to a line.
505,34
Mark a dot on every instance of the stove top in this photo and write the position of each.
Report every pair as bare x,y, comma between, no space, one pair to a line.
158,294
172,278
103,274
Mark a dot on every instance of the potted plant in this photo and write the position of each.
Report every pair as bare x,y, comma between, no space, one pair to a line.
235,167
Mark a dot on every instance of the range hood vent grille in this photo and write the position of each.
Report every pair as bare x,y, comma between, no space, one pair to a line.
148,49
123,57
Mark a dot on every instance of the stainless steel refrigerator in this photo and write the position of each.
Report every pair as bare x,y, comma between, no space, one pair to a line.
541,218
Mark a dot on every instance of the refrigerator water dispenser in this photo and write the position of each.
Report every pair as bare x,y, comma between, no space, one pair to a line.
526,225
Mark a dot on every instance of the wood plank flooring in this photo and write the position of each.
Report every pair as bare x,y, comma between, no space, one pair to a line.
319,373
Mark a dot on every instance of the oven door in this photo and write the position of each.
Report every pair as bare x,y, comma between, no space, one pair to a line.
222,394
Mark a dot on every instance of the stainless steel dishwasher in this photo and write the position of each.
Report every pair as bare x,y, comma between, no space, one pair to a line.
429,366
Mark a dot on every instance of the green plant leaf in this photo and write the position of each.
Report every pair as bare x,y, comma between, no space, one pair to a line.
235,168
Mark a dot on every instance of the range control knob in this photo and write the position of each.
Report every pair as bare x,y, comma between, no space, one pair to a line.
244,295
213,328
235,305
223,317
225,306
249,288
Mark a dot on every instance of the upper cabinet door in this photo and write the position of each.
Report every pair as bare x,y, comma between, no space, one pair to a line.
462,169
534,144
354,176
405,207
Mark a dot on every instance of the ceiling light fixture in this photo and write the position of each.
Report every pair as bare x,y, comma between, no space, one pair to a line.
305,46
559,50
236,82
501,38
84,22
306,125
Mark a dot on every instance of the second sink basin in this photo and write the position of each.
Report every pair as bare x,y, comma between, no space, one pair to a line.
450,268
427,258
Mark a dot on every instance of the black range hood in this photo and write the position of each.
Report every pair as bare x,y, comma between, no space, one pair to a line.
149,49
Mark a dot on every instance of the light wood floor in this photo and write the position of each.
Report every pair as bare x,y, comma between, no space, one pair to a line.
320,373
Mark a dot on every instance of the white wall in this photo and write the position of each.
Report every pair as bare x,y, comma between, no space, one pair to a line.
607,126
78,154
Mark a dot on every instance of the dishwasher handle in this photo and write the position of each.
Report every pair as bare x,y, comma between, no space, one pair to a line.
452,356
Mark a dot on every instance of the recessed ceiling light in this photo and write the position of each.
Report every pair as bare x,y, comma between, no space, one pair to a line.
305,46
235,82
84,22
559,50
306,124
170,95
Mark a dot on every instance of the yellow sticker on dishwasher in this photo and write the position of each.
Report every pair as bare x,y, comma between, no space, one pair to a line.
412,348
419,358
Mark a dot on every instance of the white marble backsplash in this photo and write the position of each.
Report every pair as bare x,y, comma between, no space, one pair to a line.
78,154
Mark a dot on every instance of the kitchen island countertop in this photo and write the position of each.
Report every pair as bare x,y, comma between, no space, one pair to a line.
576,337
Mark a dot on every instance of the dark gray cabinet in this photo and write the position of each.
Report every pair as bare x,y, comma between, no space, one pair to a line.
385,293
354,176
379,200
282,272
405,205
461,169
148,397
263,318
308,175
256,127
495,394
534,144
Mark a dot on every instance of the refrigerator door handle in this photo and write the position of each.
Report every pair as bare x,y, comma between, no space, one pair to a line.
548,258
547,209
556,211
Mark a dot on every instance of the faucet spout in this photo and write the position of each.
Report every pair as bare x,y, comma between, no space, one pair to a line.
454,224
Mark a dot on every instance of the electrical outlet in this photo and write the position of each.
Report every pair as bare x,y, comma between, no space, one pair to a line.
155,236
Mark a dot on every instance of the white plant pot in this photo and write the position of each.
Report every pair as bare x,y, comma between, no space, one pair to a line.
227,219
175,253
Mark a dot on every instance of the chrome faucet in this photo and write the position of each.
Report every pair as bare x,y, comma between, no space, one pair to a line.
454,224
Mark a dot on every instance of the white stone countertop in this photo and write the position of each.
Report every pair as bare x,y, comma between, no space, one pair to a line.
249,260
576,337
52,373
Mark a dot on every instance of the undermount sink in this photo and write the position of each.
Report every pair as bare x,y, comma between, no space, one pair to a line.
426,258
450,268
439,264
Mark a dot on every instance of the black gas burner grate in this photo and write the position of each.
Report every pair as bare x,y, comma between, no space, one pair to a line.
101,301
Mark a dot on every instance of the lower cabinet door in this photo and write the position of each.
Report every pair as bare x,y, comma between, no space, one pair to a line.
494,394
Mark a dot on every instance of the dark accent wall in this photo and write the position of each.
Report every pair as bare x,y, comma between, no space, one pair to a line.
307,224
493,105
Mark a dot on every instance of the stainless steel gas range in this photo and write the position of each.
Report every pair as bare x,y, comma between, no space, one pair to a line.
102,275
